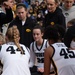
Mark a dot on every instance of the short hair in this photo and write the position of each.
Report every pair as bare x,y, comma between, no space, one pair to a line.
21,5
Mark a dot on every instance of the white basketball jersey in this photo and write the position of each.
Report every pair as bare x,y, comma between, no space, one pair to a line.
39,52
63,59
14,63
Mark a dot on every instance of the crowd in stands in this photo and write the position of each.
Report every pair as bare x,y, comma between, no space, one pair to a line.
24,23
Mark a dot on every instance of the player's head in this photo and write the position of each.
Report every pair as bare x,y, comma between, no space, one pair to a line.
13,35
38,32
71,23
54,33
69,37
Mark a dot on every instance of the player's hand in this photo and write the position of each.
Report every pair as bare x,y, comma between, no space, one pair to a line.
41,70
7,4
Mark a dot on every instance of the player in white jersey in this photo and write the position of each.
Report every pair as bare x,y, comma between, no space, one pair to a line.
2,41
59,54
37,49
14,56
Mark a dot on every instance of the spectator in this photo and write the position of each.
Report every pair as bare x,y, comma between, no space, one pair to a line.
68,10
24,24
71,23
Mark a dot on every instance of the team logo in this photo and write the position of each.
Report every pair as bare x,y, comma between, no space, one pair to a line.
67,14
28,30
52,23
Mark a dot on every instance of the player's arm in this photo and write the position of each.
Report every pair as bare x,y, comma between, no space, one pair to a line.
47,60
32,57
32,65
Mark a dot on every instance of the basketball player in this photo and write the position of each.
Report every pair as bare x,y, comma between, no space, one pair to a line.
62,58
37,49
2,41
14,56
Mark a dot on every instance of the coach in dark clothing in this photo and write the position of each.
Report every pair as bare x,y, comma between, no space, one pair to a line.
54,15
24,24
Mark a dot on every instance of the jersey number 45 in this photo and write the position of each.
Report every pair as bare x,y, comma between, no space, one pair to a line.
67,53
